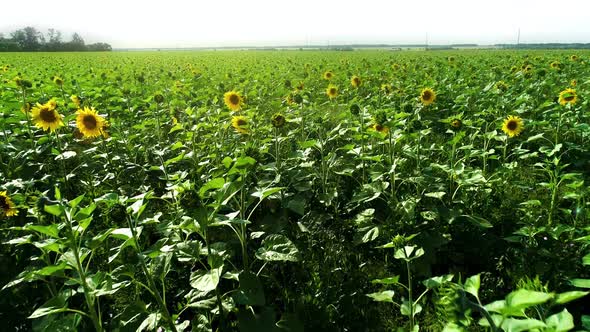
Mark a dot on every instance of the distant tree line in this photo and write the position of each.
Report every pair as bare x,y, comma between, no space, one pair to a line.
30,39
548,46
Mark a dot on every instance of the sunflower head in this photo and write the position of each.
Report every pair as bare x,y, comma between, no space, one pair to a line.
513,126
395,66
300,86
332,91
387,88
278,120
158,98
501,85
89,123
427,96
328,75
568,96
240,124
46,116
76,100
574,82
355,81
380,128
451,59
58,80
527,68
574,57
233,100
456,123
555,65
52,103
7,207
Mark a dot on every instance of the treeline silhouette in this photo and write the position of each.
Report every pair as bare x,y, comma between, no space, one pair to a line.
30,39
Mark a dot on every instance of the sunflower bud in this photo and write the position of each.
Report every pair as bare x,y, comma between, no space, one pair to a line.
158,98
278,120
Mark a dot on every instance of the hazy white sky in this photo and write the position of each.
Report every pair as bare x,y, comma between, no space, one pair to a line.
186,23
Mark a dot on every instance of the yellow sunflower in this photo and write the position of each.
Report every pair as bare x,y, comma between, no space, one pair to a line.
233,100
76,100
332,91
427,96
380,128
300,86
52,104
501,85
574,57
89,122
568,96
328,75
355,81
7,207
574,82
58,80
26,109
513,126
387,88
555,65
240,124
46,117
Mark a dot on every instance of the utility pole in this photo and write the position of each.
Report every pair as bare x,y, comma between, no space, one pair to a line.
518,38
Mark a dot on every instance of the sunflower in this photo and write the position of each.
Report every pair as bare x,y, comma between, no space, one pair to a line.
52,104
300,86
89,123
451,59
527,69
76,100
574,82
513,126
574,57
240,124
332,91
7,207
555,65
46,117
233,100
456,123
568,96
278,120
328,75
501,85
380,128
355,81
387,88
26,109
427,96
58,80
395,66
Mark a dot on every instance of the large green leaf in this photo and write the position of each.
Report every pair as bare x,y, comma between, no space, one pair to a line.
569,296
250,291
560,322
204,280
524,298
472,284
384,296
276,247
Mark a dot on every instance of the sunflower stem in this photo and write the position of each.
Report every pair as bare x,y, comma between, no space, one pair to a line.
63,161
28,116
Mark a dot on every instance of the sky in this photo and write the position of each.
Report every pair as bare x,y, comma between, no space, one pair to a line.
208,23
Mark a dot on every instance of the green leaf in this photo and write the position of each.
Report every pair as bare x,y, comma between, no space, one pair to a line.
150,323
276,247
524,298
586,322
264,193
438,194
518,325
408,253
204,280
472,285
405,309
384,296
435,282
560,322
586,260
569,296
55,305
216,183
582,283
386,281
50,230
56,209
371,235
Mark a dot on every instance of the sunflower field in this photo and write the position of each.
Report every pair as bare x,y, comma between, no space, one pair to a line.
295,191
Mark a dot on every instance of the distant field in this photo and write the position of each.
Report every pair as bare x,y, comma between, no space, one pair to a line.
292,191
